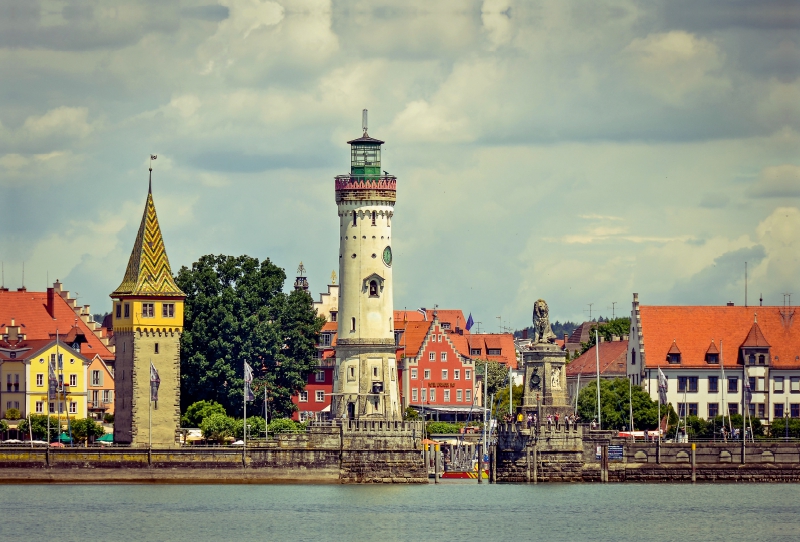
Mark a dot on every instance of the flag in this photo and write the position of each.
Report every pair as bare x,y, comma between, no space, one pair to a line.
53,382
153,157
748,395
470,322
155,381
423,312
662,387
248,380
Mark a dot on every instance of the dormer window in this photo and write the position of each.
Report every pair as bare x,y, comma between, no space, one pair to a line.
761,359
474,351
445,325
751,359
674,353
674,358
712,358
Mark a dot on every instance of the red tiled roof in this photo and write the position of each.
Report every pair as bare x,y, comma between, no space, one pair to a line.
674,348
502,341
612,360
755,338
330,326
581,333
695,327
29,310
712,348
414,336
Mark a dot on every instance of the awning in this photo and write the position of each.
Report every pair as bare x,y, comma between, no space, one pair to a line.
108,437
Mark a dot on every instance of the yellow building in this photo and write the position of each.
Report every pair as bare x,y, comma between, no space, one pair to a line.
147,321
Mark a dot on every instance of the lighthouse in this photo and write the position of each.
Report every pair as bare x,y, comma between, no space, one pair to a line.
365,380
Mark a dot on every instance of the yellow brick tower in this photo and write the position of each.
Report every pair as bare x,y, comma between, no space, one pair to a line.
148,321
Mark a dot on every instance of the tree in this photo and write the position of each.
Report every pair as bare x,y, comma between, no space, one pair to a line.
778,427
256,426
39,427
498,375
501,400
12,414
217,427
410,414
197,412
236,312
108,418
617,326
84,428
3,426
614,405
285,425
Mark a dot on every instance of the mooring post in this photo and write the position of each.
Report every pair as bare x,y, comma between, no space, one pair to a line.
493,464
528,465
425,459
604,463
535,463
435,463
694,476
658,450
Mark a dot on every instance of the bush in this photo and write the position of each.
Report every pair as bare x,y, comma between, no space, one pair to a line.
217,427
286,425
444,428
3,426
108,418
256,427
39,426
12,414
197,412
410,414
84,428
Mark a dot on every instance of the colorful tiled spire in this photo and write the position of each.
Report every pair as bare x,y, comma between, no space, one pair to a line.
148,272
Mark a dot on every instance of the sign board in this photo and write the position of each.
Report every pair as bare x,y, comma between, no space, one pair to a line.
614,453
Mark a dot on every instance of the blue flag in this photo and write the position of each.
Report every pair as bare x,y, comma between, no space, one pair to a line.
470,322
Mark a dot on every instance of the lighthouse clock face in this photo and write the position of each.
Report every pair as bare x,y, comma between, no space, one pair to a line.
387,256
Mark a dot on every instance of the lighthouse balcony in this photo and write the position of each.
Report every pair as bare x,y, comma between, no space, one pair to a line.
366,182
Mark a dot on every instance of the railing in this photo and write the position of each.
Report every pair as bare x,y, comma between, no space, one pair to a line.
354,182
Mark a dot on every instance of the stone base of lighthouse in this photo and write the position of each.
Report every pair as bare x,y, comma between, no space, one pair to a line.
366,373
545,381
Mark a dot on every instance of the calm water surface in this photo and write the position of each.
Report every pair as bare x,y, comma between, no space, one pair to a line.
448,511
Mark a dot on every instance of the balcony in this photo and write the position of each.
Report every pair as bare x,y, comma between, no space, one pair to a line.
355,187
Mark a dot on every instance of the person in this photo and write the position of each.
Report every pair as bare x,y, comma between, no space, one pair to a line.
594,424
530,421
519,417
558,417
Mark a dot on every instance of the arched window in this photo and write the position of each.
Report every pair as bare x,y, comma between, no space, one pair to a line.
633,357
373,288
373,217
355,218
752,359
761,359
353,324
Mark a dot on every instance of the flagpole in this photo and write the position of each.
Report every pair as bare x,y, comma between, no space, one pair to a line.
150,412
658,386
597,367
244,400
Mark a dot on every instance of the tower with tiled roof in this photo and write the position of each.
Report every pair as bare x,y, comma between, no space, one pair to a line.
147,321
366,384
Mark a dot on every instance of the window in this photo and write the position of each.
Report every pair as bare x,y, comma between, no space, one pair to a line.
334,316
794,384
432,356
108,396
682,384
468,397
778,410
467,374
427,374
751,359
761,359
60,407
39,407
474,351
320,396
127,310
303,396
373,288
97,379
693,384
8,383
440,338
457,374
494,351
458,396
751,410
413,374
73,407
733,408
445,325
692,409
446,396
674,358
73,380
52,408
12,355
712,358
713,410
375,372
353,324
682,409
40,379
761,411
432,394
320,376
351,373
794,410
444,374
733,384
156,348
148,310
423,391
325,339
444,356
168,310
760,384
713,384
633,357
777,384
751,382
119,310
373,217
355,219
414,394
397,335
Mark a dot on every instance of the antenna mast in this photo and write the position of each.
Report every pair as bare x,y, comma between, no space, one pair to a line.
364,121
745,284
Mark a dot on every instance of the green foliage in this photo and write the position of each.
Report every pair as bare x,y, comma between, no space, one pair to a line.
443,428
498,375
217,427
86,427
708,429
39,427
778,428
108,418
197,412
236,311
500,407
617,326
286,425
3,426
614,404
12,414
256,425
410,414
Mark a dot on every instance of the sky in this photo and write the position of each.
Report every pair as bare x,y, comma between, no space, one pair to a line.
571,151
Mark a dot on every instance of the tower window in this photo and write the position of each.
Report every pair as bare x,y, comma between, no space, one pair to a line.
373,288
353,324
119,310
127,310
355,218
168,310
334,316
148,310
373,217
156,350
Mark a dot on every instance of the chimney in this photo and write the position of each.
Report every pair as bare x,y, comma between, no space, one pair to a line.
730,303
22,289
615,338
566,338
51,303
13,332
525,333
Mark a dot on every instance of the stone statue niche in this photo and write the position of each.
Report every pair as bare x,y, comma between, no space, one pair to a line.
542,332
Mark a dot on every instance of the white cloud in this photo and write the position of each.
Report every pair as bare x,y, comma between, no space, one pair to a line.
781,181
61,121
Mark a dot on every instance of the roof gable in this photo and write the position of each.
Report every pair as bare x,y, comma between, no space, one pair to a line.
755,338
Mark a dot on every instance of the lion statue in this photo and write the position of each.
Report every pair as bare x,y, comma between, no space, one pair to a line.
542,332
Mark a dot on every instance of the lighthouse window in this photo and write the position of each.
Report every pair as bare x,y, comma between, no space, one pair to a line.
355,218
352,324
373,288
373,217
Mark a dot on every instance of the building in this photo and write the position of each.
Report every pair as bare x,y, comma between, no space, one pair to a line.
574,342
366,384
99,389
582,371
710,355
148,321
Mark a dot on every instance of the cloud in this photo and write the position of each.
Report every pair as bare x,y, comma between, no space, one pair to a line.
715,200
778,182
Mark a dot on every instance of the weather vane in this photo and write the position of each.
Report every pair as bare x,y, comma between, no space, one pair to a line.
333,277
364,121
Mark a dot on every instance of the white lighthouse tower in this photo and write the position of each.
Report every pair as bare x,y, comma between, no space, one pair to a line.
365,381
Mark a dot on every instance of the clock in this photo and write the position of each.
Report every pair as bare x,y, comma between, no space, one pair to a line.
387,256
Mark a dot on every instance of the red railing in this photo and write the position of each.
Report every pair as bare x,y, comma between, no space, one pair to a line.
346,182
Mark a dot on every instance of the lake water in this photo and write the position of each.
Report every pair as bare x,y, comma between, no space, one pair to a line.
448,511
